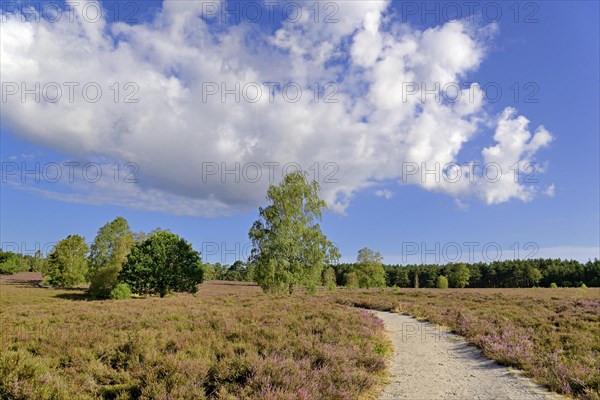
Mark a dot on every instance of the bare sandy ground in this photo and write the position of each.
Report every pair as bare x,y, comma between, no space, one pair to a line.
431,363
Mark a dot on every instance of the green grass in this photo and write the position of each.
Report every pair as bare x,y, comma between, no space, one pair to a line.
551,334
228,341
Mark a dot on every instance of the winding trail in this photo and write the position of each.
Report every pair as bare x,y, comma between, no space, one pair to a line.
431,363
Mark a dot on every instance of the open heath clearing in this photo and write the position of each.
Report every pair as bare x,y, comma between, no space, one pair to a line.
231,340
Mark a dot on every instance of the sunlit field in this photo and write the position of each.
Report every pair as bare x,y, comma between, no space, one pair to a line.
230,340
262,200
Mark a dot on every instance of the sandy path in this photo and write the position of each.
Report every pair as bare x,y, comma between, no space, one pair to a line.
431,363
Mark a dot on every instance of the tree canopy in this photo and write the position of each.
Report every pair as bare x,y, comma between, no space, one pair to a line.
289,248
67,263
459,275
161,264
369,269
107,255
442,282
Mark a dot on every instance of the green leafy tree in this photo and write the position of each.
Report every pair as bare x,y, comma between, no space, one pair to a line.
329,279
459,275
220,271
367,255
236,272
289,248
351,280
396,276
9,266
532,276
67,263
250,272
11,263
209,272
38,263
161,264
442,282
107,255
369,269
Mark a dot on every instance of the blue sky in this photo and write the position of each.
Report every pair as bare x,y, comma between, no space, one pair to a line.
554,58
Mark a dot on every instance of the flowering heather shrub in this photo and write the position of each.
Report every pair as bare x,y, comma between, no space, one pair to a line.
465,323
552,334
372,319
510,345
229,341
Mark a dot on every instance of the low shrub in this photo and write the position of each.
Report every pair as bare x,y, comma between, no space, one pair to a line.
121,292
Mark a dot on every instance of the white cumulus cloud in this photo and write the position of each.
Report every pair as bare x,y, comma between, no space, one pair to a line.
178,129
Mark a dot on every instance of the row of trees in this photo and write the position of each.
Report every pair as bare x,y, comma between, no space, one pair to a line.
289,250
451,275
119,262
506,274
238,271
498,274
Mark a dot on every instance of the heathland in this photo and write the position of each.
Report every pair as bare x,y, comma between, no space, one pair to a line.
228,341
231,340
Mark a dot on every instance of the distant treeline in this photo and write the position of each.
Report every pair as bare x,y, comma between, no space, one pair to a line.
498,274
238,271
11,263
